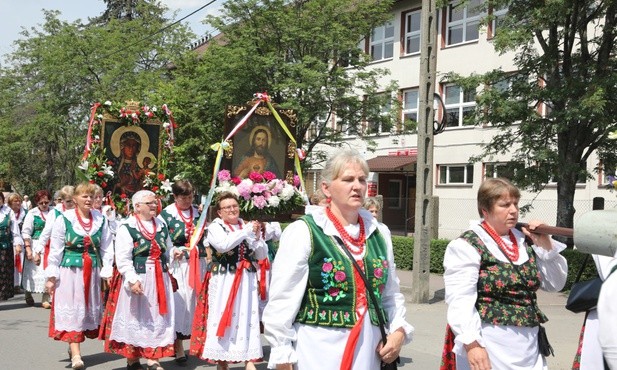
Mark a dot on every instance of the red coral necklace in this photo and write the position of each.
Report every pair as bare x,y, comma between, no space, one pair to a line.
511,252
188,221
86,225
142,229
355,245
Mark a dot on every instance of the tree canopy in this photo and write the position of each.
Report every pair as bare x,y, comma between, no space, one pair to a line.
559,105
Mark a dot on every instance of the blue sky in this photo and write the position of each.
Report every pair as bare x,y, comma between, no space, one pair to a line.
17,14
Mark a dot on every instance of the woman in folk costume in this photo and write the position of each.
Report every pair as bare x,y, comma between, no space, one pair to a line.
18,214
319,314
9,234
491,278
64,201
188,267
81,254
230,331
139,315
33,279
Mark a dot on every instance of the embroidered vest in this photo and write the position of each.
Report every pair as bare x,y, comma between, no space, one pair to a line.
227,262
39,225
177,231
503,299
141,248
74,246
6,236
330,294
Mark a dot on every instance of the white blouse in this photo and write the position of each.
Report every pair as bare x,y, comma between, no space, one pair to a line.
290,273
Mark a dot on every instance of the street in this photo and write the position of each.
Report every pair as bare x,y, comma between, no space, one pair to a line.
24,343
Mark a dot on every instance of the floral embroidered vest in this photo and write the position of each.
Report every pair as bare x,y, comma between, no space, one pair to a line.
227,262
141,248
177,231
39,225
330,295
74,246
6,236
503,299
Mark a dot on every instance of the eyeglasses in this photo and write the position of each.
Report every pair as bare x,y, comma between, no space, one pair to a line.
43,203
229,208
153,203
68,200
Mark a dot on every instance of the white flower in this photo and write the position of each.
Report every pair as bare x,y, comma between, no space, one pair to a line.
166,185
273,201
287,192
97,137
153,109
99,116
166,124
108,103
612,135
107,169
83,165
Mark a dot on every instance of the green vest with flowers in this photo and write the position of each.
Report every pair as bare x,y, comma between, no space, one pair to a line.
74,246
177,231
6,236
503,298
142,247
330,294
38,226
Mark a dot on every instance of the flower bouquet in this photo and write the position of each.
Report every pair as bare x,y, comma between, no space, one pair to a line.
261,194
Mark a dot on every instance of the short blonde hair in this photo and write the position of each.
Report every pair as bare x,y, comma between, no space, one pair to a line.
84,188
372,202
335,164
317,197
13,197
491,190
66,192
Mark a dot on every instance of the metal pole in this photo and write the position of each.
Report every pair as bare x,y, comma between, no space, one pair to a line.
424,184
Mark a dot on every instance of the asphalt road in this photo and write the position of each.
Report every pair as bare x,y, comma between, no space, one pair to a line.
24,343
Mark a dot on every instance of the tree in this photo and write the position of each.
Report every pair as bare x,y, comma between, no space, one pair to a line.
59,70
304,54
559,106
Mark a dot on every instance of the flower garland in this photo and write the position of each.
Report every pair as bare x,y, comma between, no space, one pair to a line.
96,168
261,195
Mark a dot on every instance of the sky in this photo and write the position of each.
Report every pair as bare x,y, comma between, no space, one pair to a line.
19,14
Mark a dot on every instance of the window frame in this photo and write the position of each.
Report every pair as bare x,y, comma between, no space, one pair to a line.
468,174
463,23
461,106
406,35
383,42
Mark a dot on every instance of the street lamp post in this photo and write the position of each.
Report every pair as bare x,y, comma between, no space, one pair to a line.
425,203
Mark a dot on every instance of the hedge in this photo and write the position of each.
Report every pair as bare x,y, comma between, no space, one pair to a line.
403,257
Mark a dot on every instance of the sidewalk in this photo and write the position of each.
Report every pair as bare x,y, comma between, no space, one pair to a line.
429,320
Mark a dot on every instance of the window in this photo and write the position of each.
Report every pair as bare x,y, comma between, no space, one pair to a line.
410,105
382,42
395,188
504,169
463,21
381,122
499,14
455,174
412,32
460,106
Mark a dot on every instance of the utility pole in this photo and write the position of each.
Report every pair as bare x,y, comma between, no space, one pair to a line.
425,211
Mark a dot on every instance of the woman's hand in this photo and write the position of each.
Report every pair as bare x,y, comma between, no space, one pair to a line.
477,357
28,253
18,249
284,367
541,240
390,352
50,285
136,288
178,254
36,259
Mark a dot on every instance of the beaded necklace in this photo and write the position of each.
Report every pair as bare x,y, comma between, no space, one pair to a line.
188,222
355,245
142,229
511,252
87,226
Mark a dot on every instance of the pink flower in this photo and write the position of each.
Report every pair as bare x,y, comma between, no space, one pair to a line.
384,263
244,189
296,180
327,267
259,188
236,180
256,177
259,201
340,276
269,176
333,292
378,273
224,175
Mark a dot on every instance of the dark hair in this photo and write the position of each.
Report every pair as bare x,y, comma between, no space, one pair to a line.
222,196
2,196
182,187
257,132
41,194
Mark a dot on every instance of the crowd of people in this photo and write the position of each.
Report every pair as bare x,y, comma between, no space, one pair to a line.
323,292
